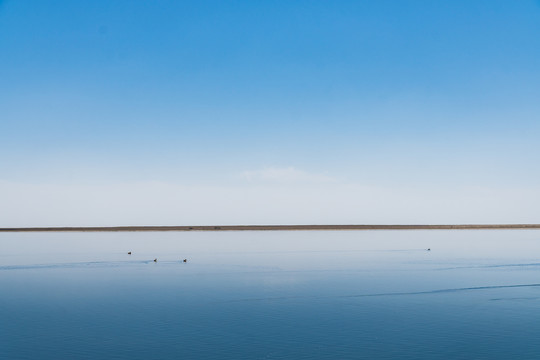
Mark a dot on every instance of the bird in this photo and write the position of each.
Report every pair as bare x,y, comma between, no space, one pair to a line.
185,260
129,252
429,249
155,260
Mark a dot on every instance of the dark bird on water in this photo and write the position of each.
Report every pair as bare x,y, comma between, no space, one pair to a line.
429,249
155,260
129,252
185,260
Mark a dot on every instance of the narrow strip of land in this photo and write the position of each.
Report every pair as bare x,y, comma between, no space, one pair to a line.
274,228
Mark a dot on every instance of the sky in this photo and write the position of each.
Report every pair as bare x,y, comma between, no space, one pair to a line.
269,112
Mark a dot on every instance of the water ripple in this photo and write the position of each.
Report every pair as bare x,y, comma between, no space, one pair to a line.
74,265
489,266
408,293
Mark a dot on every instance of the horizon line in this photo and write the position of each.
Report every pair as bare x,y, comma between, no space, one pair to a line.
269,227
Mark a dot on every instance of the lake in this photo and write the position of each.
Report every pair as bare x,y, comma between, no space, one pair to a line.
271,295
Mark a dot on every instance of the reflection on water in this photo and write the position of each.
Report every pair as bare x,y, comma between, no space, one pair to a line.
271,295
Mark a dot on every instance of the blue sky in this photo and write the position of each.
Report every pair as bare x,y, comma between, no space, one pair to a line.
437,99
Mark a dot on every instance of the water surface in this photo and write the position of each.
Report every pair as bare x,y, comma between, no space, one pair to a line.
271,295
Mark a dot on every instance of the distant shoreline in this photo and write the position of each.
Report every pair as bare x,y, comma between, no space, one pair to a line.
272,228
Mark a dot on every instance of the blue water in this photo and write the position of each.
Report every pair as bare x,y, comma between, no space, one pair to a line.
271,295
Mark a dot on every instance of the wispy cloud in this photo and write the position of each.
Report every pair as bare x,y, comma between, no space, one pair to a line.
285,175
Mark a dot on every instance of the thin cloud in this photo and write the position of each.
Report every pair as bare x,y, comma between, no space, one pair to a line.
286,175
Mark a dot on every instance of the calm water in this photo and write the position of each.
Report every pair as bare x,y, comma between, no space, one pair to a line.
271,295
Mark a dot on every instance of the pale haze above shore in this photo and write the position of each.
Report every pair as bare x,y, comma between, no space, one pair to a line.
158,203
